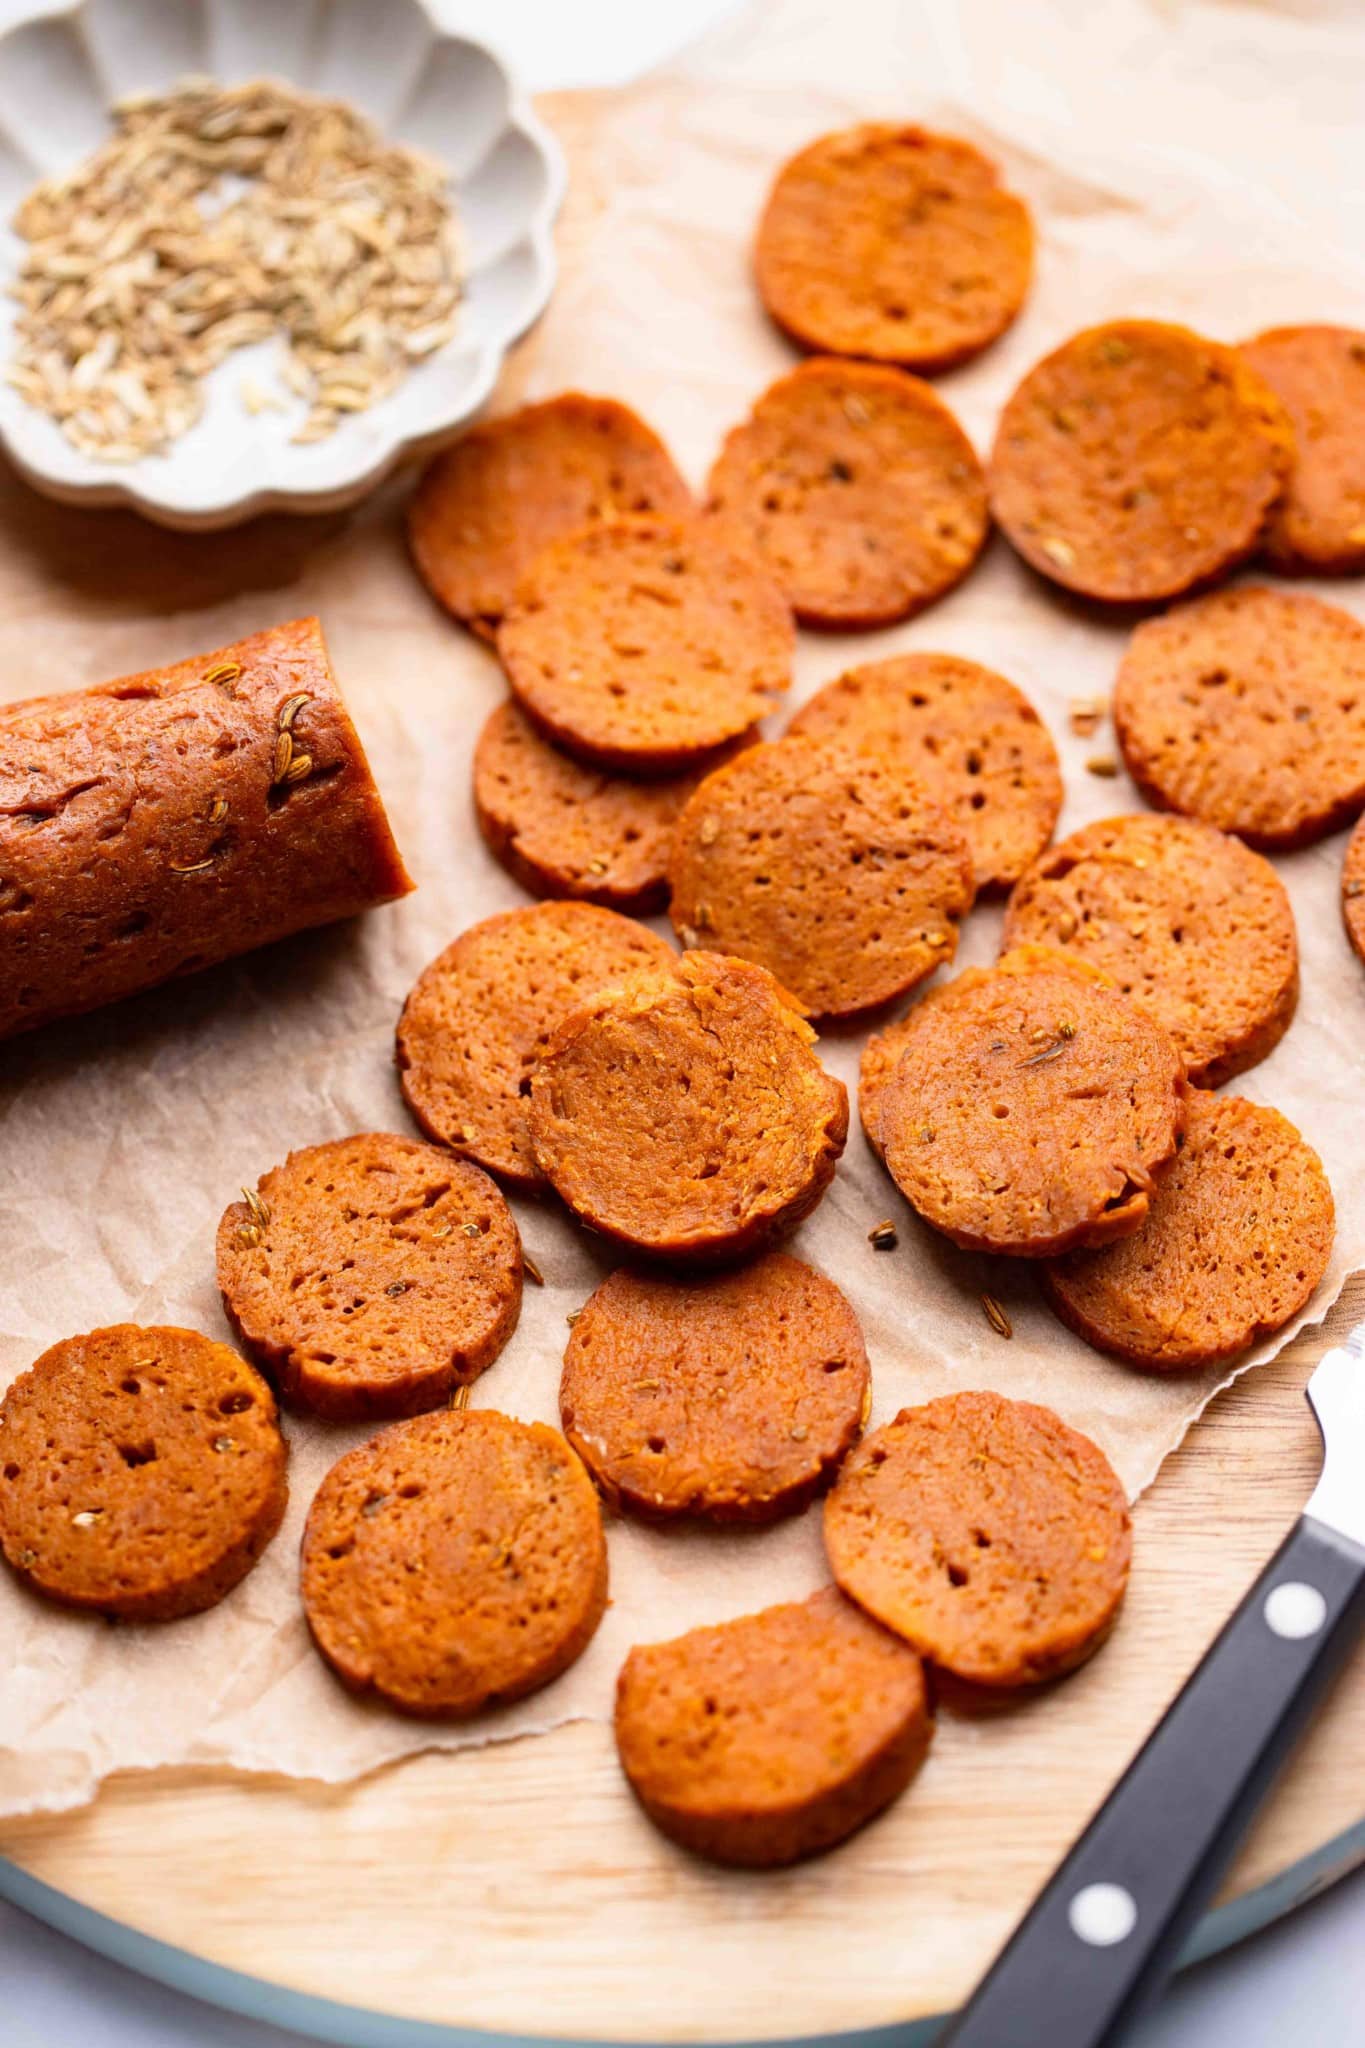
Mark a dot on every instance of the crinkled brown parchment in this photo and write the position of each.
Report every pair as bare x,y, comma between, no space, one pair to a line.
122,1137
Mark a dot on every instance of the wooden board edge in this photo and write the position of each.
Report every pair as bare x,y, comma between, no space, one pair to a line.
353,2026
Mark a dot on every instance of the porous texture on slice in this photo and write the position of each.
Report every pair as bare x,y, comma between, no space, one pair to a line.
454,1562
731,1398
893,242
479,1017
1137,461
831,867
877,1065
972,739
990,1536
142,1472
486,507
685,1114
1188,921
774,1736
169,820
1318,375
646,643
1353,889
1238,1237
1032,1108
371,1276
1247,709
567,830
856,488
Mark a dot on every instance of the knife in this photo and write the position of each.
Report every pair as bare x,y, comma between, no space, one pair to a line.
1101,1939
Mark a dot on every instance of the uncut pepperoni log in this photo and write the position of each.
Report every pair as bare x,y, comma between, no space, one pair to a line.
775,1736
486,507
1247,709
834,869
1238,1237
455,1561
895,243
858,491
372,1276
972,738
1138,460
684,1114
170,820
1188,921
1032,1108
987,1533
732,1399
1318,375
143,1472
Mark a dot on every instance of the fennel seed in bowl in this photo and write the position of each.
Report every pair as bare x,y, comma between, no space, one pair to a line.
212,219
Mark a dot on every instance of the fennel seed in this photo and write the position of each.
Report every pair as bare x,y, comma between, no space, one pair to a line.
996,1317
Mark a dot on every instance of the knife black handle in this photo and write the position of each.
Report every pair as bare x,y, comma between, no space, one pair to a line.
1099,1941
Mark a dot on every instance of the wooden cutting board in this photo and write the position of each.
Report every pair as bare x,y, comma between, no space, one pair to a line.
518,1888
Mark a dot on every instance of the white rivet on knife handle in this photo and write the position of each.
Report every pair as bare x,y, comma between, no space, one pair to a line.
1103,1914
1294,1610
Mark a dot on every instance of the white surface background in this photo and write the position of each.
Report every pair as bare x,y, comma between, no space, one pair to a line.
1304,1979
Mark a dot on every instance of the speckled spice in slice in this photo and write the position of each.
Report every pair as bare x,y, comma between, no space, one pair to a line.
832,868
896,243
858,491
1238,1237
1318,375
972,738
142,1472
731,1398
987,1533
564,829
371,1276
454,1562
1247,709
685,1115
878,1063
1032,1108
479,1016
1353,889
1186,920
643,644
774,1736
486,507
1137,461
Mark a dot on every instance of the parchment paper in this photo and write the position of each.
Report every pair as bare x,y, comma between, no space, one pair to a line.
123,1136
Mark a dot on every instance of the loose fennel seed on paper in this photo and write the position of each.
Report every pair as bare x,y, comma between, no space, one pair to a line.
142,273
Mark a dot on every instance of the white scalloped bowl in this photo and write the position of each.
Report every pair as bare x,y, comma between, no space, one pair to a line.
443,93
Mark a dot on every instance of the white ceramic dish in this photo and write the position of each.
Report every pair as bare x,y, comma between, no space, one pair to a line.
443,93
